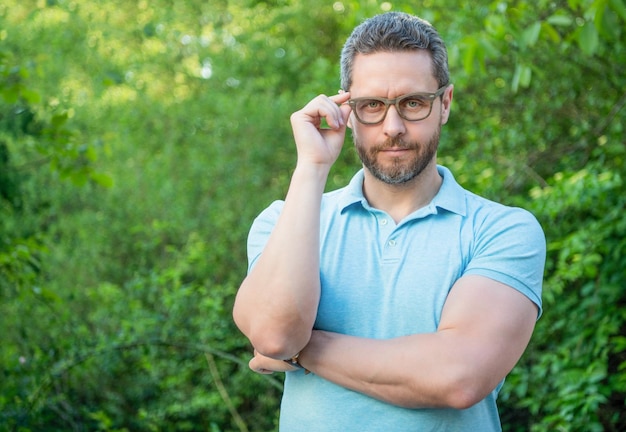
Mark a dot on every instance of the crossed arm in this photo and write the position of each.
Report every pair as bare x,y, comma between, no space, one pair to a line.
484,329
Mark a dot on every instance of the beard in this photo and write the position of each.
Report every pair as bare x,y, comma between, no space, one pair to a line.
401,170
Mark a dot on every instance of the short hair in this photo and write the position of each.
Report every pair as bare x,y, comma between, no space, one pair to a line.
394,32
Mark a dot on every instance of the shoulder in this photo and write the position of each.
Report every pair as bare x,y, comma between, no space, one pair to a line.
508,245
496,218
270,213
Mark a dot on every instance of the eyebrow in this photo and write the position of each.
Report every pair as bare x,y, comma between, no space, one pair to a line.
436,93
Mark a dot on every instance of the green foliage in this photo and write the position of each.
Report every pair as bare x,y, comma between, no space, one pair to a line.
573,376
138,140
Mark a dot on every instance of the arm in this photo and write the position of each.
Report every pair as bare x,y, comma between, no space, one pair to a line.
484,329
276,304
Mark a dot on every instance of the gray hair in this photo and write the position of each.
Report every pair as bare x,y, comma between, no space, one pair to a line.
393,32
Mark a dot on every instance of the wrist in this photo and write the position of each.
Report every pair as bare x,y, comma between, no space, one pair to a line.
295,362
313,169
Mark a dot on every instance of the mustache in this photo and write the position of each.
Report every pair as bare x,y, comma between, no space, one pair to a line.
396,143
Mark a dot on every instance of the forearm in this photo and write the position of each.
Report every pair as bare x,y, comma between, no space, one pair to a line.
417,371
276,305
277,302
476,345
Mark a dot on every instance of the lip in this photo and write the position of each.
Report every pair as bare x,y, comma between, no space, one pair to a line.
395,150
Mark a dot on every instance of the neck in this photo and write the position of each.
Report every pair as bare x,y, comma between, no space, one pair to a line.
401,200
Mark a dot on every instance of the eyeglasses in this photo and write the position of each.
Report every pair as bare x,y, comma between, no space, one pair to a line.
411,107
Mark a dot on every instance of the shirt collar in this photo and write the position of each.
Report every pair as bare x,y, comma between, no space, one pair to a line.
451,196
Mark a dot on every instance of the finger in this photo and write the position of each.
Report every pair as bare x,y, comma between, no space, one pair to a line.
340,98
254,366
327,108
335,118
346,110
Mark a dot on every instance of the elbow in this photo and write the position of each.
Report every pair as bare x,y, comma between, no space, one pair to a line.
275,348
274,331
464,393
463,385
278,345
464,398
280,342
239,318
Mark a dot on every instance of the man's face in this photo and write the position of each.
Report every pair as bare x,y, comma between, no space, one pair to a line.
396,150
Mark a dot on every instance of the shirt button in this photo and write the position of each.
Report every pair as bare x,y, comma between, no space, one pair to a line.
383,222
392,243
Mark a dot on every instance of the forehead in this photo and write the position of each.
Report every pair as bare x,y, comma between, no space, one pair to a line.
390,74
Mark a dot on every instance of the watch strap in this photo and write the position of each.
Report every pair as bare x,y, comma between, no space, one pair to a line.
294,361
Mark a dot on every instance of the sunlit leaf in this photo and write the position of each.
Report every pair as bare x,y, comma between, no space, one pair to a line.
469,55
550,32
521,77
488,48
559,19
531,34
103,179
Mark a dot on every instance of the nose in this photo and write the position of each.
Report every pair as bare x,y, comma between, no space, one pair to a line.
393,125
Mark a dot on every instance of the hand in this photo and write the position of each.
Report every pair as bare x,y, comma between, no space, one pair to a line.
266,365
315,144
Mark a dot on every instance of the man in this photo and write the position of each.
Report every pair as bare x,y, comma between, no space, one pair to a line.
407,298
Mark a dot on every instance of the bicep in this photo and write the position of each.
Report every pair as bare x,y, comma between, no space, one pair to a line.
493,319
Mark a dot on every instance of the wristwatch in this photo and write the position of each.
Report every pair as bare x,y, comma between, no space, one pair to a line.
293,361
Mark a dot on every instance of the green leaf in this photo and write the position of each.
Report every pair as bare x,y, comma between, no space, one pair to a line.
531,34
525,76
59,120
588,39
559,19
102,179
469,55
521,77
489,50
550,32
10,94
619,8
31,96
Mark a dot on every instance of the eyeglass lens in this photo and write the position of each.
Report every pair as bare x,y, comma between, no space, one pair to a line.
412,107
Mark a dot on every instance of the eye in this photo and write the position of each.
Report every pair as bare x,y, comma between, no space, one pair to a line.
414,103
370,105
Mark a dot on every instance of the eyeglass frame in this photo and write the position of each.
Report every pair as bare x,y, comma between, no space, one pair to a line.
389,102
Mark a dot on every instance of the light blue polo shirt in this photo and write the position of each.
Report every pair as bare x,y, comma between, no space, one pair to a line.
382,280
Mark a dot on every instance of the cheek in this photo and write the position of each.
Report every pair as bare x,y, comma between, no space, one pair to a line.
361,133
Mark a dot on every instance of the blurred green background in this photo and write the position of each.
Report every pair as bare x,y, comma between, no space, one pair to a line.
139,139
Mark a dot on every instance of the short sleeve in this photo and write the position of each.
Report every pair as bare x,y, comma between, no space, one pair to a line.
260,231
510,247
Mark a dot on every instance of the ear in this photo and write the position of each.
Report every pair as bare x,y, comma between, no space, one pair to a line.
446,103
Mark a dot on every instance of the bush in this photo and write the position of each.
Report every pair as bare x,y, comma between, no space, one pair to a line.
138,141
